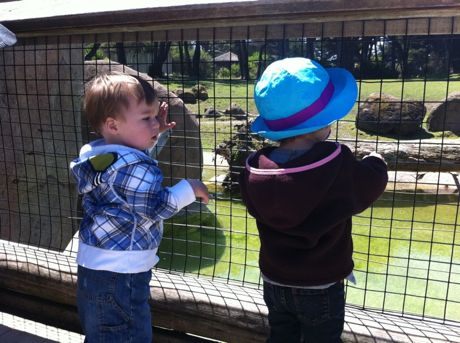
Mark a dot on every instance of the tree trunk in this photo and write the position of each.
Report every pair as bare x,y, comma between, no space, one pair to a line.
310,53
347,53
121,55
261,64
160,54
393,56
283,48
455,55
403,51
182,65
242,51
188,60
196,60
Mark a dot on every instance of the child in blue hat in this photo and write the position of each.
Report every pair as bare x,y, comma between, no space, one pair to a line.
303,195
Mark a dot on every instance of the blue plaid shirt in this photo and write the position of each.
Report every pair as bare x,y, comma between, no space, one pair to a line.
124,201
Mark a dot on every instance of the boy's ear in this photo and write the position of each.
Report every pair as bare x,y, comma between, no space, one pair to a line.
111,125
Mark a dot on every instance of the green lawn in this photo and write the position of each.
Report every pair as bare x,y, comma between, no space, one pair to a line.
407,257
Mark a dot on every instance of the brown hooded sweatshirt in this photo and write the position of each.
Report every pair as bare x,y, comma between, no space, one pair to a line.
303,210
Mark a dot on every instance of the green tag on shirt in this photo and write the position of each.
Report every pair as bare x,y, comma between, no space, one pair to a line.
100,163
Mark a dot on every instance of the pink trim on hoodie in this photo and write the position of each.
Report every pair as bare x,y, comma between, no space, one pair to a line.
281,171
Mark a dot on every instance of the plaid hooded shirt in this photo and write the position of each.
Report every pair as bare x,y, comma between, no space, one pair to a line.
124,206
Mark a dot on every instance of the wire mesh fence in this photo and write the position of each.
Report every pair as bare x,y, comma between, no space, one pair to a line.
407,250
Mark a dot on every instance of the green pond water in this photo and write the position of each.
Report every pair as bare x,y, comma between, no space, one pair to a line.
406,251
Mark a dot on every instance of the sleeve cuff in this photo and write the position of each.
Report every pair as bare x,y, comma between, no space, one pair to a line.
182,193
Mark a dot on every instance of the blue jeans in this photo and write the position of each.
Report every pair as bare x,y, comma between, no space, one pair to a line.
114,307
305,315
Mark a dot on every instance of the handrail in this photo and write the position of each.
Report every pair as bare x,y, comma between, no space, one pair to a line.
30,19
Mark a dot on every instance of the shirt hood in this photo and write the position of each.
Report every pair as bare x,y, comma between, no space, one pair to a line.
284,194
98,161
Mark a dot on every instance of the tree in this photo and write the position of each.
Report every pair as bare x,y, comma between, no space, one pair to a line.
93,52
262,60
196,61
160,54
188,60
455,53
348,50
310,48
242,52
121,55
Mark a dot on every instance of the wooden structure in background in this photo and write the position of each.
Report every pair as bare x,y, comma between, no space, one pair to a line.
59,17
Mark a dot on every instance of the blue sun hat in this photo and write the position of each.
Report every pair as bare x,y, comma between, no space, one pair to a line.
297,95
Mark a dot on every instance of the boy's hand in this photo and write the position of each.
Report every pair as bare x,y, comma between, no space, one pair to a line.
200,190
162,116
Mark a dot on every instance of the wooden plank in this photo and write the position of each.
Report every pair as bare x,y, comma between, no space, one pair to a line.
356,28
75,19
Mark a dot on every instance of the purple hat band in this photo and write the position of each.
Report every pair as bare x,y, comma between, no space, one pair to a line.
305,114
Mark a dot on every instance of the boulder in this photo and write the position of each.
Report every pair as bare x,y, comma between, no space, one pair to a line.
200,92
187,96
384,114
212,113
40,94
445,116
236,111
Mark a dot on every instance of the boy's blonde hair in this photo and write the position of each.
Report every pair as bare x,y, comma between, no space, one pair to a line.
106,94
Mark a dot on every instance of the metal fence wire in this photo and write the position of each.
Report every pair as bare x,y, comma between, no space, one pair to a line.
407,247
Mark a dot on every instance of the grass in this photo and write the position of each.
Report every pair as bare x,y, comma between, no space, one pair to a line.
406,249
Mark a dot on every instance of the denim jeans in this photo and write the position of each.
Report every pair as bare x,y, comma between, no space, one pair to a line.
114,307
305,315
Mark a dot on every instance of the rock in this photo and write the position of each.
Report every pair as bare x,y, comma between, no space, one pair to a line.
446,115
200,92
236,112
212,113
41,134
384,113
187,96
